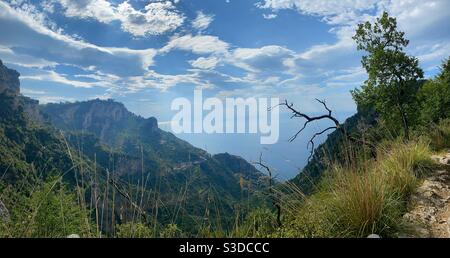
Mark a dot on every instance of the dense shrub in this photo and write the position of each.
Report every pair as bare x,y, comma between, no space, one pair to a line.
49,210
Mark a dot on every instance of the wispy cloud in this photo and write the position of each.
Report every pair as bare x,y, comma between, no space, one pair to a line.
205,62
200,44
202,21
59,78
54,99
269,16
37,40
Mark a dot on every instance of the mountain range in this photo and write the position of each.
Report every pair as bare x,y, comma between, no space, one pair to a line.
101,147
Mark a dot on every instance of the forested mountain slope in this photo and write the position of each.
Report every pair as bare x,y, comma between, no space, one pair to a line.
101,140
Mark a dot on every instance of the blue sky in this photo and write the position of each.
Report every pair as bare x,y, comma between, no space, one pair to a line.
145,53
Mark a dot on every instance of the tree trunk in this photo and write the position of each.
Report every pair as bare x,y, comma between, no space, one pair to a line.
401,109
404,120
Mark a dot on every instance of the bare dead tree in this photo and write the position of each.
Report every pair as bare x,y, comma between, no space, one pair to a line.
274,202
298,114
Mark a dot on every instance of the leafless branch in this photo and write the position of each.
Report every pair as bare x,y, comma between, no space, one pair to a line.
297,114
274,202
311,141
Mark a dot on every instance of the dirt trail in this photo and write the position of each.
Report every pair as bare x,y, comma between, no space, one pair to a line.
429,206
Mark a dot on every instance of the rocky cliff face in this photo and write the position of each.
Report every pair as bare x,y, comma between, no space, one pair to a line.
9,80
105,118
15,102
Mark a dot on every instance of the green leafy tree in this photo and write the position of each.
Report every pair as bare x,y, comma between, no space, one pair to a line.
434,97
393,76
444,76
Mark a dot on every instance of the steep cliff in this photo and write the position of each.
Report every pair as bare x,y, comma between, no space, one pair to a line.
9,80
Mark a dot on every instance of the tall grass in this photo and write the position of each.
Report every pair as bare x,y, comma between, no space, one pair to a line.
355,201
439,135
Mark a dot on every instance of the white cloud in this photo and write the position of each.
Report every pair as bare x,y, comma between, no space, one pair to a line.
331,10
33,13
53,99
202,21
318,60
30,37
145,55
200,44
336,66
339,55
205,63
99,76
423,22
265,59
269,16
100,10
8,56
59,78
432,54
421,19
27,91
156,17
162,82
35,42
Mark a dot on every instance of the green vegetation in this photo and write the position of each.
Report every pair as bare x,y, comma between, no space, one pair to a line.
124,175
433,97
393,75
133,230
360,181
118,175
365,198
48,210
187,181
440,135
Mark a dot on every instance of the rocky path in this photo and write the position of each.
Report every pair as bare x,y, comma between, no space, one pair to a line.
429,206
